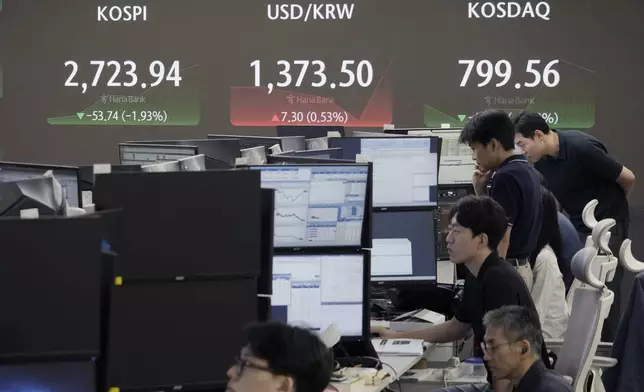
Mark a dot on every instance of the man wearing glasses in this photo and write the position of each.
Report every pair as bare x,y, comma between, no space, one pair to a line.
478,223
512,347
281,358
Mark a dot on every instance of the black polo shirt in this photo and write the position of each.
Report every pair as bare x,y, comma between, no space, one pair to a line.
540,379
497,284
516,186
583,171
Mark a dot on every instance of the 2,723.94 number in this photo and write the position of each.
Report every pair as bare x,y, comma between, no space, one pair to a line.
157,72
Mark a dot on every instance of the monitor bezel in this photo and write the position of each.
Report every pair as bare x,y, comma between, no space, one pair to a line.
402,208
366,288
366,238
53,168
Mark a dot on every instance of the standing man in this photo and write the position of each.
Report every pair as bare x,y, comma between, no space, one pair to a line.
514,184
578,169
478,224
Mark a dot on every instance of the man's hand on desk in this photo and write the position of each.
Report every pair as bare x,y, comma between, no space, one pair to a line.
385,333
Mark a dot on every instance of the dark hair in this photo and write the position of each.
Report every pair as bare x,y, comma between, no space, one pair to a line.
292,351
526,123
488,125
550,233
481,214
518,323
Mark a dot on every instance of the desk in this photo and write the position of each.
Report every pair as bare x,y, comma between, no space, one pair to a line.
400,366
396,366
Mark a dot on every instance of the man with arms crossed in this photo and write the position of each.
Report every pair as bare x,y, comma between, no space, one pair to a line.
512,347
478,224
578,169
513,183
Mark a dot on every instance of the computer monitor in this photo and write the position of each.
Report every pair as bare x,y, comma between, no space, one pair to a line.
149,154
177,336
315,291
326,153
50,285
404,246
87,174
31,194
218,153
456,162
317,205
286,143
162,167
67,176
48,377
405,169
176,224
195,163
308,131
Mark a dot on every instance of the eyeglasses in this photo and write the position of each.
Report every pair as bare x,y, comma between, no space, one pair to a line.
242,364
490,349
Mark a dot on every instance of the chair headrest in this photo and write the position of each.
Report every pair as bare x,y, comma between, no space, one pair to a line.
601,234
581,267
588,214
627,260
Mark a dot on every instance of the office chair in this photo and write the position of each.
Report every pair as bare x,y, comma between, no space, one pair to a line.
577,359
626,376
604,263
588,217
627,260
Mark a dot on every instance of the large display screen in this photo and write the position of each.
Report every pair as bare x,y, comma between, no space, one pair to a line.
68,66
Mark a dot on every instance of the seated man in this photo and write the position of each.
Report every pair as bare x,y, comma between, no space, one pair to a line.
548,289
571,245
478,223
282,358
512,347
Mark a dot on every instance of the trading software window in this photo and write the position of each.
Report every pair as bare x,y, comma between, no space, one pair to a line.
317,206
316,291
405,171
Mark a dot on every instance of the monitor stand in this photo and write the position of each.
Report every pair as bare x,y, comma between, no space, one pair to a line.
356,353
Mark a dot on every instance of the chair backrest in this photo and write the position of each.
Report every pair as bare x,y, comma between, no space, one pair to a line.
601,235
589,310
604,263
626,258
588,214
